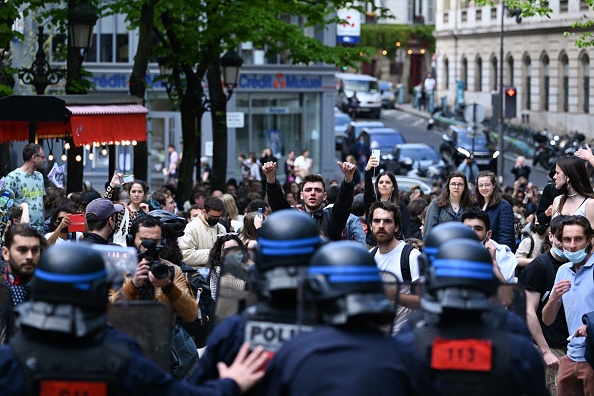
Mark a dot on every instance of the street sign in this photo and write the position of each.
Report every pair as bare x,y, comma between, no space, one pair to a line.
474,113
235,119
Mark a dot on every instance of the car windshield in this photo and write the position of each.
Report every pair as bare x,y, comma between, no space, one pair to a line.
360,86
480,139
341,119
384,86
419,153
385,141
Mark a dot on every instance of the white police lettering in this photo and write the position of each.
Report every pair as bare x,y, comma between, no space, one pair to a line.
271,336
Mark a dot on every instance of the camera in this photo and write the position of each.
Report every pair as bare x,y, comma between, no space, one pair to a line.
159,269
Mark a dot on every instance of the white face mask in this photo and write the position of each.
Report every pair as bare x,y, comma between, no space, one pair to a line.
577,256
558,251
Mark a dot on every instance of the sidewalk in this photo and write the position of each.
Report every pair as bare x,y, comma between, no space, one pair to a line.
408,108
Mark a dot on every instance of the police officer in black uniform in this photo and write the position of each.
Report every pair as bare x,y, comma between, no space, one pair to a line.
66,347
468,342
351,354
288,239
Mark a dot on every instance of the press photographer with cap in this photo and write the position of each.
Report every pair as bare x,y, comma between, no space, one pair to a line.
101,217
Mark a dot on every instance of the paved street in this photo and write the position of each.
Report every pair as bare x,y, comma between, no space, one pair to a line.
413,127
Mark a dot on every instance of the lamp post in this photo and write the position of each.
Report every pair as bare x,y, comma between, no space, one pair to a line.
40,74
500,143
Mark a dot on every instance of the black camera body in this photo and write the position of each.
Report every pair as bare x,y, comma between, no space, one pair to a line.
159,269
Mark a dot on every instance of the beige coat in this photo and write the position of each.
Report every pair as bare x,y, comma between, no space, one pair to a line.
197,241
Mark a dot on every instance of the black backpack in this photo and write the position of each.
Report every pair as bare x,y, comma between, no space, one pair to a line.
200,291
404,261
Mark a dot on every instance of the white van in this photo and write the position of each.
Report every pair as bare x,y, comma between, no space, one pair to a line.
368,93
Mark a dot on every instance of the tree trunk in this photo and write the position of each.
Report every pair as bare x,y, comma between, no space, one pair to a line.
191,110
218,105
138,81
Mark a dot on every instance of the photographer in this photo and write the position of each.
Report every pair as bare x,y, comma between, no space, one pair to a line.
155,278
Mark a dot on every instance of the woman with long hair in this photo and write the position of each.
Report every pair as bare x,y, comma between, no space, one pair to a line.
571,178
137,190
251,224
231,210
223,244
451,204
500,211
385,188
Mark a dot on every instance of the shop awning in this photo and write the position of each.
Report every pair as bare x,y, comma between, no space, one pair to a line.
102,119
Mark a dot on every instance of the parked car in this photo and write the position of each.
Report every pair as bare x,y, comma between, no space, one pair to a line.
351,135
418,159
370,101
388,94
341,123
458,144
405,183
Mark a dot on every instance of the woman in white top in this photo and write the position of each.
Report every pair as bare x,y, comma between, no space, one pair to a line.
571,178
59,226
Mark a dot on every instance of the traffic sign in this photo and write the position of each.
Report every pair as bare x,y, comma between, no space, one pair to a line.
474,113
235,119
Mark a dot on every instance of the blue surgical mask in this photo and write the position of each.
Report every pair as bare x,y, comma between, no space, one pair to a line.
576,257
558,251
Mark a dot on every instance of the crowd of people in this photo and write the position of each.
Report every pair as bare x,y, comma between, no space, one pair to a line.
341,286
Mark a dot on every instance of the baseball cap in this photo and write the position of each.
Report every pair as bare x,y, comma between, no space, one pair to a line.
103,208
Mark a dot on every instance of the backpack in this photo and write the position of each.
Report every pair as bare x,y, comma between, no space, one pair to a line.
200,291
404,261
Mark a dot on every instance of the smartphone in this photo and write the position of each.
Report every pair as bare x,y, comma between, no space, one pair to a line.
77,222
259,212
127,178
376,154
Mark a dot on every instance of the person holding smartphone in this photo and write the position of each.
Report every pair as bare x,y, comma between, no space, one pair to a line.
59,232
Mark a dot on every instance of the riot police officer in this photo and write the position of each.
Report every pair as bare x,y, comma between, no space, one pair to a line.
466,340
351,354
66,347
287,240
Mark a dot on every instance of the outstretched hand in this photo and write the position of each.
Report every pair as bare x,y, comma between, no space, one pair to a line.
246,369
348,170
269,169
115,180
585,154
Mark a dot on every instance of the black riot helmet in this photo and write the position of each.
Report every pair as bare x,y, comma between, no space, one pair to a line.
440,234
460,277
173,225
287,240
73,274
344,281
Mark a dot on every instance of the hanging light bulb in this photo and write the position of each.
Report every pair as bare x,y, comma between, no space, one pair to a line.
87,146
91,156
64,157
134,142
50,157
67,146
104,150
78,158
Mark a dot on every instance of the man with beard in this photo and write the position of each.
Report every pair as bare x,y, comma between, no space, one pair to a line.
27,183
101,221
332,221
395,256
22,248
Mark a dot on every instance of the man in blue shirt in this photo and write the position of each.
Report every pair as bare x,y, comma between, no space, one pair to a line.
574,287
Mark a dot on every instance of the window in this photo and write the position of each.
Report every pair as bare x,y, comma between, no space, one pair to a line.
479,15
510,70
585,83
111,41
446,17
493,13
584,6
494,82
464,16
546,68
446,72
464,75
478,75
563,5
564,84
527,76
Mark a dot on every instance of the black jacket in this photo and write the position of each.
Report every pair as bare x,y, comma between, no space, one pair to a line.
330,221
546,199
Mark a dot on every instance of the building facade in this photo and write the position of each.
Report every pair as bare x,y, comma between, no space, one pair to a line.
551,74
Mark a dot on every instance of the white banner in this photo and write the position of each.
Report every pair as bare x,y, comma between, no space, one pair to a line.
56,175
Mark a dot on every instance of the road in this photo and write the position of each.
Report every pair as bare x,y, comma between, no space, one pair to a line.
414,129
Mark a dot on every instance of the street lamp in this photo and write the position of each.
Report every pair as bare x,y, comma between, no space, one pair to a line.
231,63
81,21
40,74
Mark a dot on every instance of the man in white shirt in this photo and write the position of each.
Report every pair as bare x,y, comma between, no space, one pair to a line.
389,256
302,165
504,260
171,171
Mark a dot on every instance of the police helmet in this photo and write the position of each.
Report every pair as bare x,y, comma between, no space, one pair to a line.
461,275
173,225
343,279
440,234
70,273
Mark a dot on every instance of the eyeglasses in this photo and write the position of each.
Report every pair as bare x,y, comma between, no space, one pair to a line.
40,156
213,217
486,185
457,185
